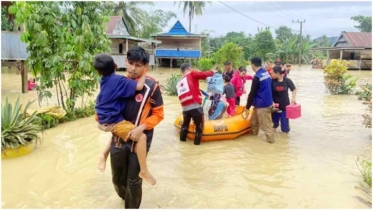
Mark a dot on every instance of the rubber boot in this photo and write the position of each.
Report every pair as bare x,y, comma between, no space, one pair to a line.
183,134
197,139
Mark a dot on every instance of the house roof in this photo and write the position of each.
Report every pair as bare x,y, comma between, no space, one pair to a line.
337,48
178,30
110,26
356,39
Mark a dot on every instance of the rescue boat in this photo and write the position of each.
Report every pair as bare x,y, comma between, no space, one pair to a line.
222,129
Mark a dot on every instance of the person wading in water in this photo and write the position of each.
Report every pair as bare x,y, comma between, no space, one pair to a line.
191,99
260,97
145,111
280,89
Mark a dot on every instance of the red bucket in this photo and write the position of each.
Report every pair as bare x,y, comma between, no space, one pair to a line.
293,111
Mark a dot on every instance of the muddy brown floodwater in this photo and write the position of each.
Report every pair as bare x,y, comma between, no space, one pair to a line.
311,167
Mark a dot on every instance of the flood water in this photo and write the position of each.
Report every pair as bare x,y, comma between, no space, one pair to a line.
311,167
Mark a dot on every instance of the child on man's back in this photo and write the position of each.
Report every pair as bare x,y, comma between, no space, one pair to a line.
114,89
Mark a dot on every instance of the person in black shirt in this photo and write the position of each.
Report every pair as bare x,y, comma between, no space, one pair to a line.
229,71
280,89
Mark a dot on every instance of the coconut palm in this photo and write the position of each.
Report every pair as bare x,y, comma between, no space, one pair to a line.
193,8
306,53
132,14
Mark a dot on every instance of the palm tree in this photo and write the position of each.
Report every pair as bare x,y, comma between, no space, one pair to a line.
133,16
193,7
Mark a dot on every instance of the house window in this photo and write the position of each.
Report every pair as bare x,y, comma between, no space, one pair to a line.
120,48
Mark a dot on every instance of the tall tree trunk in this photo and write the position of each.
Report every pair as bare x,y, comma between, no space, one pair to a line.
190,20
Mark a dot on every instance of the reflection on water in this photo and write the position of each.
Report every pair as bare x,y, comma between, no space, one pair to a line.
311,167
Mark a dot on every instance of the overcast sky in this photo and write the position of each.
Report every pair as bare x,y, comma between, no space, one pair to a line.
329,17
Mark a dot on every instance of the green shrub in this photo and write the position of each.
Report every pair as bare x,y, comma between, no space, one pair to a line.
229,51
336,80
48,121
171,84
16,127
205,64
366,93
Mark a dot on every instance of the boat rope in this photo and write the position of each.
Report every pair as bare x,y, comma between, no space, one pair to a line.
245,114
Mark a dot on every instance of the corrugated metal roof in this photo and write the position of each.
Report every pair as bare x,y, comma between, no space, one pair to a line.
357,39
336,48
12,48
178,30
178,53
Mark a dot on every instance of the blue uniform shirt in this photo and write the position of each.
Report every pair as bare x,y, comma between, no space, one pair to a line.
111,100
263,98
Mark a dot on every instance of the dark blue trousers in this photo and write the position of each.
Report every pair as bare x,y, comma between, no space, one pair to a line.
278,118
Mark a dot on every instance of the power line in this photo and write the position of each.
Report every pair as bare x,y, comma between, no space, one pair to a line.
288,11
252,18
292,13
272,11
246,15
272,5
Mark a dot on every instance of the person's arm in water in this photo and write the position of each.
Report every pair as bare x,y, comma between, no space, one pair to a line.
254,90
141,82
293,90
202,75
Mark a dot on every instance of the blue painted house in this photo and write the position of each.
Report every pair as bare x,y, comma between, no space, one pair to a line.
178,43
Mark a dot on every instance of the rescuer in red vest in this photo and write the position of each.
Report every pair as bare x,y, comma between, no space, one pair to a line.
191,99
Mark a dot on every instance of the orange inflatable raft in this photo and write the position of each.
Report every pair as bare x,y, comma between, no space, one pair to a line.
222,129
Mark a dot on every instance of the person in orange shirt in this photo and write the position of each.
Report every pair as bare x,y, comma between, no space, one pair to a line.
145,111
115,90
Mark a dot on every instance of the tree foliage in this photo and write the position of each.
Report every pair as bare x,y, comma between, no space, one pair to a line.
140,23
156,21
133,15
63,37
193,8
285,46
283,32
230,51
264,43
365,23
6,24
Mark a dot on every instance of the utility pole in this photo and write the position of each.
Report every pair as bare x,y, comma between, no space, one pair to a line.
300,40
